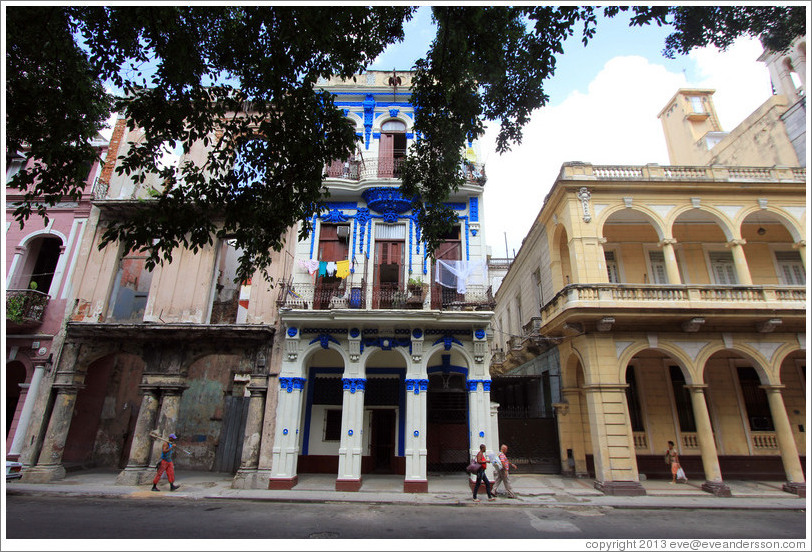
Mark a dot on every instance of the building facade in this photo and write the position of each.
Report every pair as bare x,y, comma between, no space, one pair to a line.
667,303
384,370
363,357
39,266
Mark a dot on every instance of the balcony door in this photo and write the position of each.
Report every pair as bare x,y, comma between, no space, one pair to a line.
724,269
333,246
392,148
449,250
388,273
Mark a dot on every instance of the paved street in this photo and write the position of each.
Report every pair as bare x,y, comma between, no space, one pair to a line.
162,517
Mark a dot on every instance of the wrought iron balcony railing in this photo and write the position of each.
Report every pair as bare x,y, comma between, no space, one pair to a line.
317,296
390,168
25,308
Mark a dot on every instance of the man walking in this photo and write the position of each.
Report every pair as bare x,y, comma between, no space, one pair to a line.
166,465
503,474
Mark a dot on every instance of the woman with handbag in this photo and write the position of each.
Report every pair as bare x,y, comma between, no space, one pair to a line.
481,476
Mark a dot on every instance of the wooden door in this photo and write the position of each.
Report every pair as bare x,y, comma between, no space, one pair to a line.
388,273
331,249
450,250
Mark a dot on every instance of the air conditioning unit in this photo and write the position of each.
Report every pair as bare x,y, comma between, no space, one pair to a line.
343,232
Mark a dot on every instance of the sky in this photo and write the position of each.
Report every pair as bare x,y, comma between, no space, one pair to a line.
604,101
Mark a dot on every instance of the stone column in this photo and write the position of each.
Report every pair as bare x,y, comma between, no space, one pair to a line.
351,448
740,261
25,416
479,407
796,484
671,266
612,440
246,474
571,431
138,470
286,439
416,480
49,465
707,445
167,418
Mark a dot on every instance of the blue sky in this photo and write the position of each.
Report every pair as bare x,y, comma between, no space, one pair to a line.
604,101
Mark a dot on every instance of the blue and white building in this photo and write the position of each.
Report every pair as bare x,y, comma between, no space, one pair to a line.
384,369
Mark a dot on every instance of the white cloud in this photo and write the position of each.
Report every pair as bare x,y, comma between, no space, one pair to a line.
614,123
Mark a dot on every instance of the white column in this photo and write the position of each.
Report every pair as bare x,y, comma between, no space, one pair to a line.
28,408
286,440
416,451
670,257
740,261
352,424
19,251
479,415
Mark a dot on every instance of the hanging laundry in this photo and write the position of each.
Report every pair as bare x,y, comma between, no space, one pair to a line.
322,268
331,268
342,269
459,274
311,265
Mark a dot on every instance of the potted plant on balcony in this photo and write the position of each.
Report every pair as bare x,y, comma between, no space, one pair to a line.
416,292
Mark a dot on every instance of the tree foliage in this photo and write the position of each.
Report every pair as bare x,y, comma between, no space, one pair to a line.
241,81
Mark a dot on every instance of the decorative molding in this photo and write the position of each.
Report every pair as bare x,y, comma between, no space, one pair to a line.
727,339
767,326
353,384
627,201
653,340
605,324
325,339
417,385
472,385
693,325
695,201
584,195
289,384
447,341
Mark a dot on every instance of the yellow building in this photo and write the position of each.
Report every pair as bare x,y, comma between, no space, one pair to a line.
666,303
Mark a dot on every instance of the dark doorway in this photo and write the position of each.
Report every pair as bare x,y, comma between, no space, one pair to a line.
447,427
229,449
382,440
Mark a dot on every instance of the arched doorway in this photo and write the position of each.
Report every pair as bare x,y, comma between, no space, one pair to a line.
105,413
392,148
447,417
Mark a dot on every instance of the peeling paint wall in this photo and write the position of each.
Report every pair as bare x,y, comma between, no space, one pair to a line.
202,406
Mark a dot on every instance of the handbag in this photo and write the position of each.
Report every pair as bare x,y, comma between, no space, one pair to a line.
681,474
473,467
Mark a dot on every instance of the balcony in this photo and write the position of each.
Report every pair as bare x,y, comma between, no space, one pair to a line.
310,296
358,170
25,309
720,307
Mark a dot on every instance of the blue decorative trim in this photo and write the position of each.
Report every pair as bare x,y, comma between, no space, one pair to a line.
417,333
416,433
292,332
386,343
285,431
410,135
346,111
342,204
417,385
334,215
445,332
349,433
479,333
313,234
334,331
376,135
325,339
447,341
473,209
482,434
354,383
467,241
456,206
388,201
472,384
289,384
369,111
393,112
355,332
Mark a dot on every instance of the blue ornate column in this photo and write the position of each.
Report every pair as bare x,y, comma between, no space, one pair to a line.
416,480
351,449
479,410
286,440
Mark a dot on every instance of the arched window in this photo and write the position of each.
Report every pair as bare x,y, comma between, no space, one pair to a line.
40,264
392,148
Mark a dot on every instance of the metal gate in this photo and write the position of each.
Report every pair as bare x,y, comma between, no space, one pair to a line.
229,449
447,427
532,444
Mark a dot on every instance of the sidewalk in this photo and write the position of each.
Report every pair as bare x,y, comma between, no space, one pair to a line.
448,489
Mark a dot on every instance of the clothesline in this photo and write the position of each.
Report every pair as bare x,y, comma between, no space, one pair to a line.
460,274
339,269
